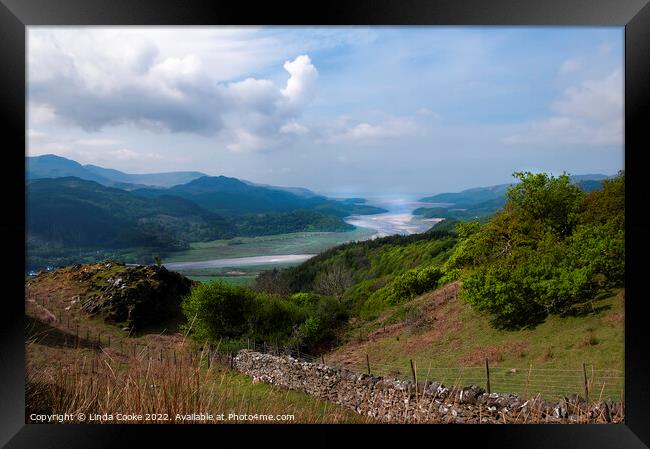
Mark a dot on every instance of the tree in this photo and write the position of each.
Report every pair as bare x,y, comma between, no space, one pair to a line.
553,202
549,249
217,310
333,282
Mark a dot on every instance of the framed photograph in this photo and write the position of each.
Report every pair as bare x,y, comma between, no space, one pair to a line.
385,215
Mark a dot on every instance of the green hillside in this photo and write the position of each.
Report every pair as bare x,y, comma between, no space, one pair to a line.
538,285
65,215
481,202
231,196
72,220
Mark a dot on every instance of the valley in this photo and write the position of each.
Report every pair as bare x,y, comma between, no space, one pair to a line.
517,276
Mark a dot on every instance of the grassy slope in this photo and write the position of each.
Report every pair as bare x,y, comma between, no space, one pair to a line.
53,354
438,331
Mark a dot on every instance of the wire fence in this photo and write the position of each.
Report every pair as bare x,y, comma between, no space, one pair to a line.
589,381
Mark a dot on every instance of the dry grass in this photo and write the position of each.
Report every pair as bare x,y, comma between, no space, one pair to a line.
78,364
93,382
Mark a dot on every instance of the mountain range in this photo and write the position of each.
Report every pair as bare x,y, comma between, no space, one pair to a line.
480,202
476,195
52,166
74,209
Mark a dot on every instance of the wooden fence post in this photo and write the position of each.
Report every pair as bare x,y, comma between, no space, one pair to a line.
487,376
368,362
322,359
415,379
586,384
412,370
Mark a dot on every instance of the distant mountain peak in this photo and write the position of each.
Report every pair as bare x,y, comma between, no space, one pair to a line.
53,166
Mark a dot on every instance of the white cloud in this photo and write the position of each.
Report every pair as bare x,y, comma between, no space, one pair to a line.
294,127
349,130
590,113
600,99
97,78
97,142
301,85
41,114
124,154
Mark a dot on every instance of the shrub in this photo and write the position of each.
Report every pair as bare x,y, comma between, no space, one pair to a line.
217,310
549,249
413,283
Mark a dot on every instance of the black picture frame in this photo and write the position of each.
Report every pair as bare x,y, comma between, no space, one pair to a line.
634,15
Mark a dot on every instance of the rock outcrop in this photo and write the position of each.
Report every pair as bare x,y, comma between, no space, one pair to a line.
133,297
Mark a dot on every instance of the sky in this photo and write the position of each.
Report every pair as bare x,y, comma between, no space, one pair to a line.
379,110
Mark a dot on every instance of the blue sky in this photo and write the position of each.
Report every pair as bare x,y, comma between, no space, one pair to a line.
335,109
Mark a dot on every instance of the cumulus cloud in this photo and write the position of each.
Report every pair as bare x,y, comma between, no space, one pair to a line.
103,80
589,113
598,100
300,86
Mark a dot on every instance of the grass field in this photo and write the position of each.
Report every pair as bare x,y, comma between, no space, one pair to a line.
449,342
230,280
230,275
271,245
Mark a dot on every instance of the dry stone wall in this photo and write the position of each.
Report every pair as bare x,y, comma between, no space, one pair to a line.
401,401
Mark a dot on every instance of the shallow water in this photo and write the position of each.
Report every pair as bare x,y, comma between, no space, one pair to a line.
240,261
398,220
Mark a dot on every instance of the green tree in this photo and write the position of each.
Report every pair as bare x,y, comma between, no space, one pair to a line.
552,247
216,310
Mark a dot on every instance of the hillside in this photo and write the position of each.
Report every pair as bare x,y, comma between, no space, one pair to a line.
78,363
52,166
72,220
231,196
167,179
65,215
449,341
537,287
480,202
